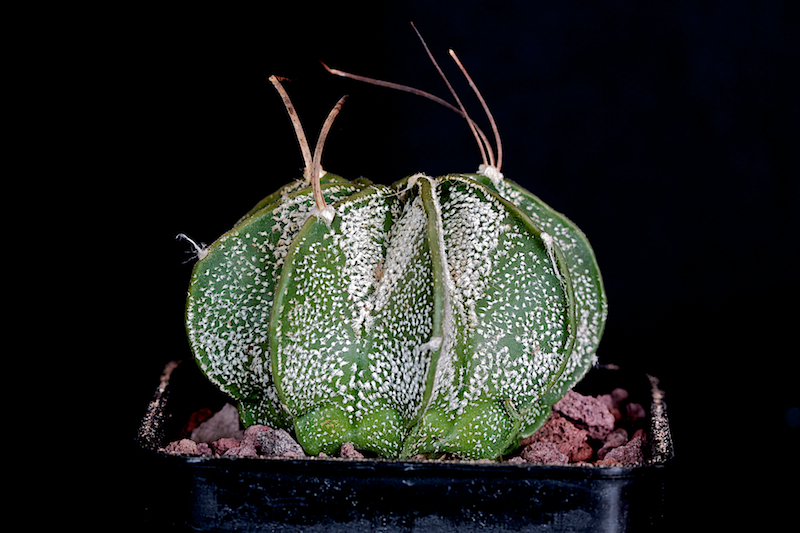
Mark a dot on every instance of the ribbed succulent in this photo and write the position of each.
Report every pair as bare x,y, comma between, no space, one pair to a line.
436,314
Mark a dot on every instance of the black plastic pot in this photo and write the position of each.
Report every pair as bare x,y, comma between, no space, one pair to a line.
213,493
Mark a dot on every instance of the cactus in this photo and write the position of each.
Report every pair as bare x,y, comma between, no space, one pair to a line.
436,314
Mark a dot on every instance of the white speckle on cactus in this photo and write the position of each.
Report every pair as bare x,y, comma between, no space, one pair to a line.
354,328
589,293
361,334
230,301
445,314
509,332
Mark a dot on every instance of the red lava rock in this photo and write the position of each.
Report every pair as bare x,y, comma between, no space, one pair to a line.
222,445
607,400
613,406
544,452
182,446
628,454
250,435
616,438
197,418
277,443
568,439
224,424
563,439
582,454
586,412
349,451
635,412
619,395
256,440
244,450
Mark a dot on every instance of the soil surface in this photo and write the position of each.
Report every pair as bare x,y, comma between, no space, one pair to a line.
601,430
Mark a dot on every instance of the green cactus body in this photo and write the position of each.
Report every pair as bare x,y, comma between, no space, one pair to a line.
291,187
230,300
590,295
355,325
510,322
436,315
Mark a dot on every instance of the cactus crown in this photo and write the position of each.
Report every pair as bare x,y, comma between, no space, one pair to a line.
433,315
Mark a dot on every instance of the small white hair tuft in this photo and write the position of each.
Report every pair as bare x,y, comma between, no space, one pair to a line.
327,214
492,173
200,250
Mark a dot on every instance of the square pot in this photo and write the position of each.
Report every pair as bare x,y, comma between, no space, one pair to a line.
215,493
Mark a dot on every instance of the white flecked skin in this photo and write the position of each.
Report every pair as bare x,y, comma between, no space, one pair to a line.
230,298
587,281
354,317
437,315
511,329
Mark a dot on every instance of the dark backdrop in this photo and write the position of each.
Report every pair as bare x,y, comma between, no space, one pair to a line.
666,131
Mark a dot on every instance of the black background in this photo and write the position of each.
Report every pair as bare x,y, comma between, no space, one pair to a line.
667,131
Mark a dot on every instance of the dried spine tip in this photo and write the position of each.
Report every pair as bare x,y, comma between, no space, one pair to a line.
391,85
485,109
412,90
483,148
298,127
484,145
